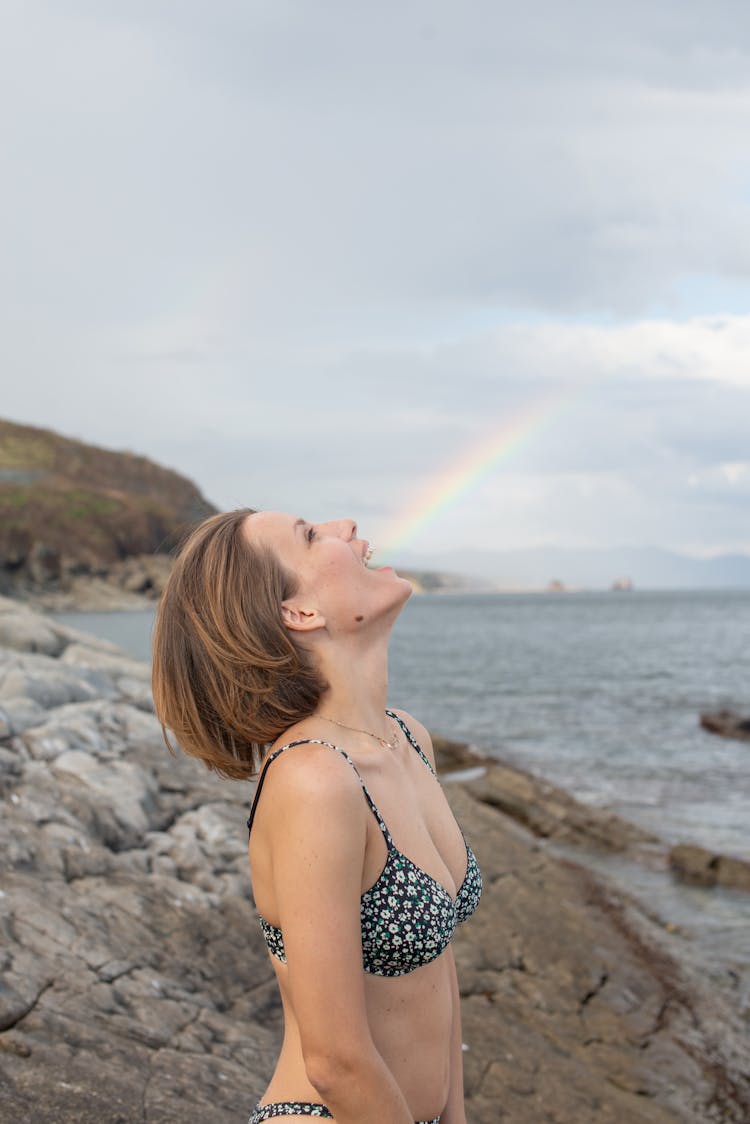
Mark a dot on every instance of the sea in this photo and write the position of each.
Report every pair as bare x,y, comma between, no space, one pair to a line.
601,694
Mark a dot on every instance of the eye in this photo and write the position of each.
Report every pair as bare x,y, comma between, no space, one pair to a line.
310,533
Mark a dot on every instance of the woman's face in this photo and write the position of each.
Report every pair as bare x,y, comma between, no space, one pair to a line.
328,560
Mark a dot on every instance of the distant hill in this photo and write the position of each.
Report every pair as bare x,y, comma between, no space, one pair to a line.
69,509
536,568
431,581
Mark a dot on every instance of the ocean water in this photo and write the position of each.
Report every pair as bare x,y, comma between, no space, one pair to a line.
600,693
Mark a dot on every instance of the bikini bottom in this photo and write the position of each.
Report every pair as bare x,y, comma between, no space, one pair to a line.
300,1108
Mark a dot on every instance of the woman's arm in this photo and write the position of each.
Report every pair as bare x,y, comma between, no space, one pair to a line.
455,1111
318,830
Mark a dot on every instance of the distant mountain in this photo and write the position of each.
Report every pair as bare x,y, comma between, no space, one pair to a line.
432,581
538,567
69,509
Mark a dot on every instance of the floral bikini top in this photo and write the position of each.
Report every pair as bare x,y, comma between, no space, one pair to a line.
407,917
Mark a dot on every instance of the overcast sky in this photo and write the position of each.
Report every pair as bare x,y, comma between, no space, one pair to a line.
313,254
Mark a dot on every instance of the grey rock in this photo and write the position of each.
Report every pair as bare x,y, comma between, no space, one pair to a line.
118,793
136,691
18,996
69,635
135,984
11,762
89,593
24,631
52,689
115,665
19,714
68,728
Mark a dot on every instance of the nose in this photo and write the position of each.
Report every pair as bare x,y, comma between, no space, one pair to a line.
344,528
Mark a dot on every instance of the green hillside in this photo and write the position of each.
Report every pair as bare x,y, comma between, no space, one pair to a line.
68,508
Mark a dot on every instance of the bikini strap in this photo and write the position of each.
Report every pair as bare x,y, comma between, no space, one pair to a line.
412,740
345,755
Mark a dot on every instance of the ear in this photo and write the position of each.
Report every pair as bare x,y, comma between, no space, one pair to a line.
301,620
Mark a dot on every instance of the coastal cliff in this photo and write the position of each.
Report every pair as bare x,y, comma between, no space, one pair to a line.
86,527
135,985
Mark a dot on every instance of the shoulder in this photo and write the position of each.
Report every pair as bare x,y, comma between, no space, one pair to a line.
420,734
310,779
315,831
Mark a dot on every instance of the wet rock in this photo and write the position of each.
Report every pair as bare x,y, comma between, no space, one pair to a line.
694,865
550,812
700,867
454,756
726,723
733,873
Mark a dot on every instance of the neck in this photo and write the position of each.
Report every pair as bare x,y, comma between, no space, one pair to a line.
357,685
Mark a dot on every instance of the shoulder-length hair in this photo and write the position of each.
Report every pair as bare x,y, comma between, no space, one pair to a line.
227,678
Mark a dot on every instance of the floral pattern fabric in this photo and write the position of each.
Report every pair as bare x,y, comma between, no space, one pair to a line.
300,1108
288,1108
407,917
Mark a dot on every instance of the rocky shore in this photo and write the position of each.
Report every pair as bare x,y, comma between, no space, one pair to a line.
727,724
136,583
135,985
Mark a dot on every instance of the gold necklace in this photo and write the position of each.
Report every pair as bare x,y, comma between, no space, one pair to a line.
355,730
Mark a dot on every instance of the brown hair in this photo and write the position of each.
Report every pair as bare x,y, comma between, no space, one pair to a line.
227,677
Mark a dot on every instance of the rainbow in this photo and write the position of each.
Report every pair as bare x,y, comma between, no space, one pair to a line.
477,463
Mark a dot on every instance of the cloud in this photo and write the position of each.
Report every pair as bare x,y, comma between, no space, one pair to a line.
311,256
280,169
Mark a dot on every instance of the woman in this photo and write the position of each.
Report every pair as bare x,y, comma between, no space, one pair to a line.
270,652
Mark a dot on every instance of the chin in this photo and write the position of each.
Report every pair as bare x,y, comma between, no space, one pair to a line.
406,587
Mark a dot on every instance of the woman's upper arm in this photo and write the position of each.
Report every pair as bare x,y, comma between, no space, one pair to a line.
318,832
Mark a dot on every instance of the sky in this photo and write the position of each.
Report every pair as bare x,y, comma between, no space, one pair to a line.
471,273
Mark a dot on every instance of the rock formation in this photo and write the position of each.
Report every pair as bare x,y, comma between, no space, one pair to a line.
72,514
726,723
551,813
135,985
701,867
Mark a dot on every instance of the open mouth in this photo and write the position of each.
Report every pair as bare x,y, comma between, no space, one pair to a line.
367,556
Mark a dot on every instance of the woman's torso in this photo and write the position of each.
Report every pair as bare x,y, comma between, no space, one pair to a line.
410,1013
